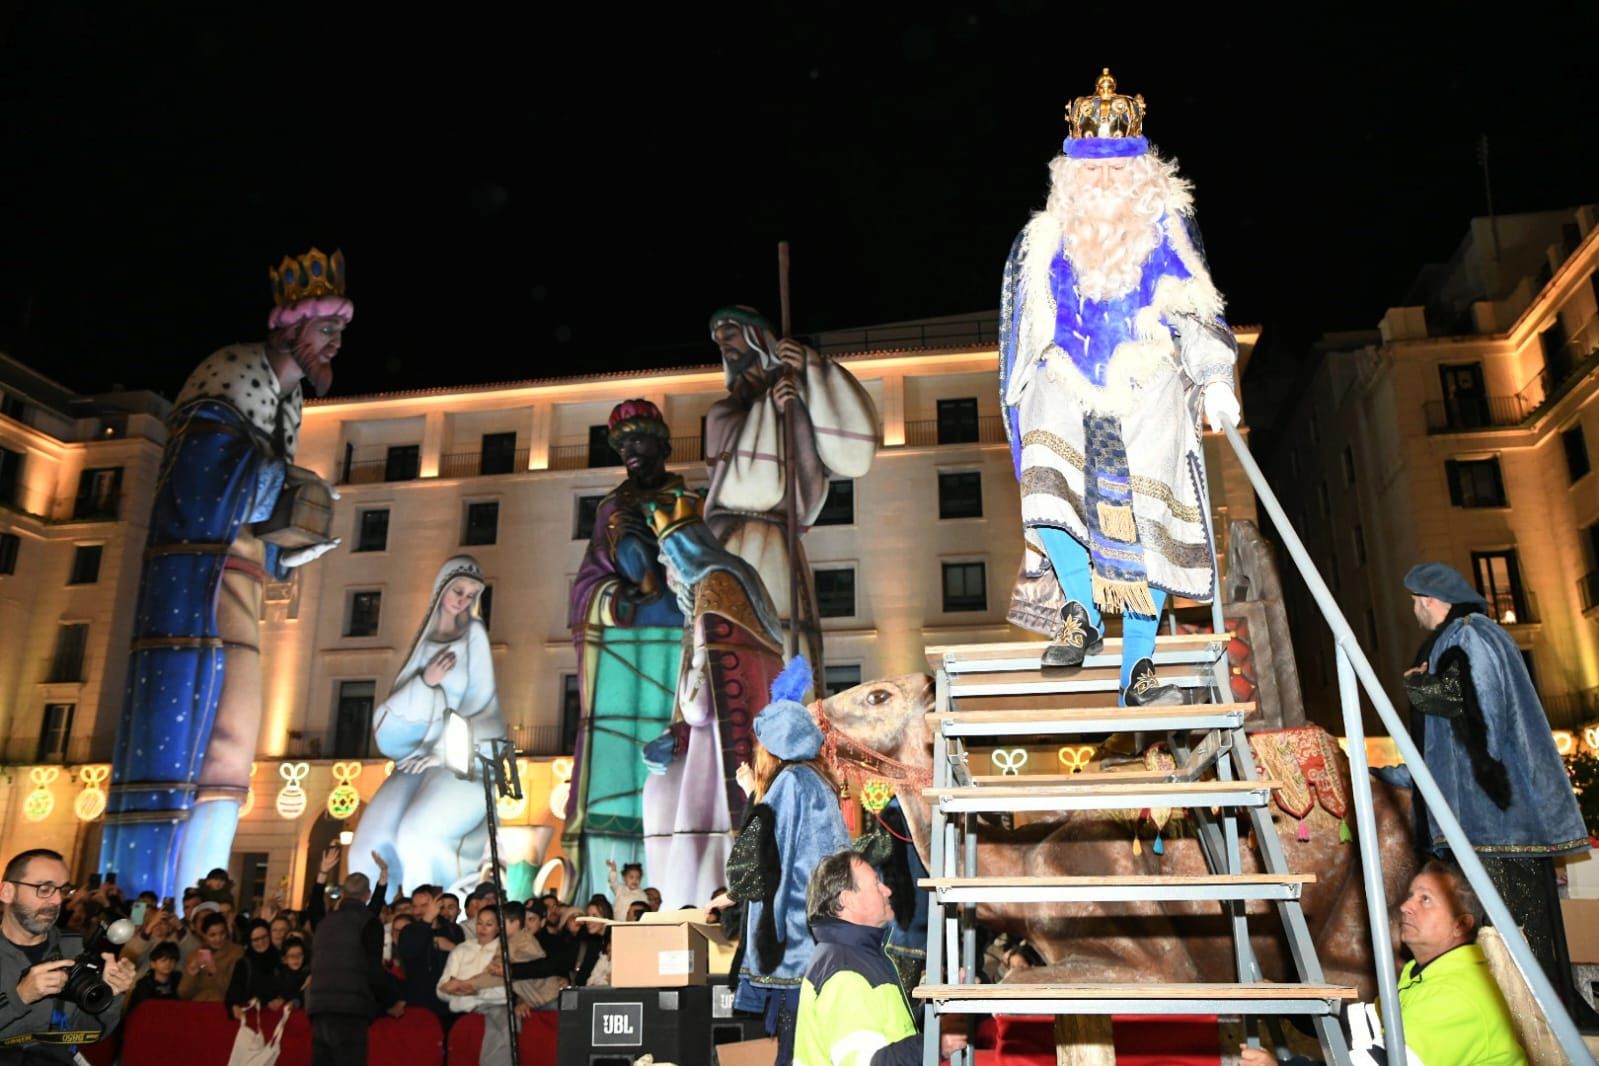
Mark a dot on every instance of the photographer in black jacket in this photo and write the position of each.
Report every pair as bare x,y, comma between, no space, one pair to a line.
38,1023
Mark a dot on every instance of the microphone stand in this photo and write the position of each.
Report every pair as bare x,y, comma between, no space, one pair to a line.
497,782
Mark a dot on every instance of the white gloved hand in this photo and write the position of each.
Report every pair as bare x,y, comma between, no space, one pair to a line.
301,556
1221,405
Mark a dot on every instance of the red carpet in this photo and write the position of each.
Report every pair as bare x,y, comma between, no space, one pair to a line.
1141,1040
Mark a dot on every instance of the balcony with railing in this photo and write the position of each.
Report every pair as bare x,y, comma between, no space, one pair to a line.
64,509
482,464
990,429
24,751
1562,368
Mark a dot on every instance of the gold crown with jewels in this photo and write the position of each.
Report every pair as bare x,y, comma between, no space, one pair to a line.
1107,113
686,507
300,277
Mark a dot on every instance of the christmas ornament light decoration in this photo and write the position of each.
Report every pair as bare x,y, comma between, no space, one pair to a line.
344,800
90,804
562,769
41,801
291,797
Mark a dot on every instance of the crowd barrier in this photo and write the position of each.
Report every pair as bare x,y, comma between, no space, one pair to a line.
162,1032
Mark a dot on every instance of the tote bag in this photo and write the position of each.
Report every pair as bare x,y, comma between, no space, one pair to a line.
251,1047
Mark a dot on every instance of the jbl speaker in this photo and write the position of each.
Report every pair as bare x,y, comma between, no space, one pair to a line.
614,1026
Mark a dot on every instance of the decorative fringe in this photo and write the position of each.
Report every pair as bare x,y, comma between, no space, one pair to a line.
1159,848
1138,847
1344,835
1116,520
1122,597
1303,833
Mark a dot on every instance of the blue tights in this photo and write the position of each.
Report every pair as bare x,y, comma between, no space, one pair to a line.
1070,560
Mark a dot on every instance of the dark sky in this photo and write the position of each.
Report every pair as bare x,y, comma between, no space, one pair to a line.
526,191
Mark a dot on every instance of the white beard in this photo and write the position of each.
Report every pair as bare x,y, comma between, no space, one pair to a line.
1108,233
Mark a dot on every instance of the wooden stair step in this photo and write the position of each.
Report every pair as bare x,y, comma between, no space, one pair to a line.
1262,998
1117,888
1028,655
1077,721
1077,679
1099,796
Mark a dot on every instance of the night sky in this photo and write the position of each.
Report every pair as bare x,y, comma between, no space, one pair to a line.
526,192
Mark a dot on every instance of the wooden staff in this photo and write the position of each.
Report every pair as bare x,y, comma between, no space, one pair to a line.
791,469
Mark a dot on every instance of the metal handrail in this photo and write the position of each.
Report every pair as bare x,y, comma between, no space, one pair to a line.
1355,669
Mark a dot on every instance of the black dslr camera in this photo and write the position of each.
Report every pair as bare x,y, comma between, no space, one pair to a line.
86,983
86,980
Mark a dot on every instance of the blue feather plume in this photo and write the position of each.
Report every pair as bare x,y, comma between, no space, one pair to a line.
793,681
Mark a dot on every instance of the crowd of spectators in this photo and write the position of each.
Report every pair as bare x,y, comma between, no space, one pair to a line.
439,953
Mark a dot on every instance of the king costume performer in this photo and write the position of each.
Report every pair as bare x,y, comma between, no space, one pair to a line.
192,711
1112,344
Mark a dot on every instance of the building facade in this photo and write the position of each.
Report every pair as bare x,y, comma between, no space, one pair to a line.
1458,431
923,550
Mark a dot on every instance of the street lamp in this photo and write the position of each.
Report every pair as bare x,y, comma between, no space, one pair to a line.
464,755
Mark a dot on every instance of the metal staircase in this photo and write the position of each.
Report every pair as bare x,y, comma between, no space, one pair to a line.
999,693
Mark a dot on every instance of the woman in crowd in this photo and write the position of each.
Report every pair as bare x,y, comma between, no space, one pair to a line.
469,960
294,968
255,978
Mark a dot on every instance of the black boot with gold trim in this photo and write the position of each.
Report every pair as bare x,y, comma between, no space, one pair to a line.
1146,690
1076,639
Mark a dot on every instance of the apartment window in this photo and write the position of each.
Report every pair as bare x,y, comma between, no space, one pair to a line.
1360,544
12,406
485,606
1465,395
86,564
835,592
352,721
98,489
54,732
1349,464
1556,353
1475,482
600,451
1576,446
957,421
1499,580
372,530
839,507
482,523
365,608
404,463
836,679
72,639
960,495
583,517
10,475
965,587
9,543
571,711
498,454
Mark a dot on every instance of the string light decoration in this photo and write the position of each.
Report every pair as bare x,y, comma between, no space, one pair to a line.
1565,741
90,804
1074,759
1590,736
41,801
344,800
562,770
291,797
875,795
1009,760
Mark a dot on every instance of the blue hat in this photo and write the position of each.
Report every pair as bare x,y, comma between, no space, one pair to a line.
785,726
1442,582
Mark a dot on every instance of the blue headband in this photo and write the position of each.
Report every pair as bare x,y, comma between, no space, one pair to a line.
1104,147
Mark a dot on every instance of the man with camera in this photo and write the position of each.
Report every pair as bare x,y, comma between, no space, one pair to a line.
54,994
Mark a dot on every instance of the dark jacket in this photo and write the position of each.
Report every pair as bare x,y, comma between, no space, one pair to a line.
20,1022
347,975
147,987
851,995
254,977
424,965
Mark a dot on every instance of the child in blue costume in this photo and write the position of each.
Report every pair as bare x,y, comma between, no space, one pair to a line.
795,809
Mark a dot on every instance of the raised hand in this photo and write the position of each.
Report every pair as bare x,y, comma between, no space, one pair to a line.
330,859
437,667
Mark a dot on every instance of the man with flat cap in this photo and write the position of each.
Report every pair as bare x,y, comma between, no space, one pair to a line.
1482,732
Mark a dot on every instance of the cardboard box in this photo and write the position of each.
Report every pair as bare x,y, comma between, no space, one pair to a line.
748,1053
1582,929
673,949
